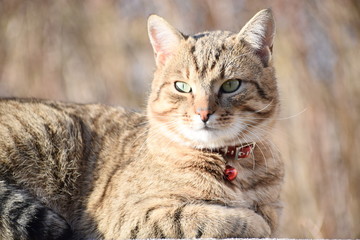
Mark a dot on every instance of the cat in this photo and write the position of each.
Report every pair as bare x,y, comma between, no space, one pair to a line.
199,163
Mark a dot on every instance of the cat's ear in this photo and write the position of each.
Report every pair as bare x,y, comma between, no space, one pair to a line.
259,32
163,37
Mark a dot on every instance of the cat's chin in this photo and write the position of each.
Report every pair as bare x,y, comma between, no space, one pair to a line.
208,138
204,137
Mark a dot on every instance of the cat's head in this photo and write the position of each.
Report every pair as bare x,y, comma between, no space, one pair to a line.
213,89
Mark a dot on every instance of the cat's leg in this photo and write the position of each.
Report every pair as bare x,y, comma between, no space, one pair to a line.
23,217
271,214
198,221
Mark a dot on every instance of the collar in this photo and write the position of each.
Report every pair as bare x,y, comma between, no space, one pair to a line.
237,152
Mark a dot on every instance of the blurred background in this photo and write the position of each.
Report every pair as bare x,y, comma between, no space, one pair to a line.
98,51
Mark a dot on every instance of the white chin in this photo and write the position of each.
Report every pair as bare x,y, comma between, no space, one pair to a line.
209,138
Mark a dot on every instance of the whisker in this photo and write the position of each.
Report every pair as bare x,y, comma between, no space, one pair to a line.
281,118
268,105
155,133
267,143
260,142
292,116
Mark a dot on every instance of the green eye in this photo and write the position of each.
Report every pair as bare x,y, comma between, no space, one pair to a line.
230,86
183,87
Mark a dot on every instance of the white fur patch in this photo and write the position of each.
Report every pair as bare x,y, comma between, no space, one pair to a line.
212,136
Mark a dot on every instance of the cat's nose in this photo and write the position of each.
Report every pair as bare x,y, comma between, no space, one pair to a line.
204,114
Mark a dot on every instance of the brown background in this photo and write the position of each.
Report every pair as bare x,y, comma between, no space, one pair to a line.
98,51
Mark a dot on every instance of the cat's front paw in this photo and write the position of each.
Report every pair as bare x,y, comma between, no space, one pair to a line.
223,222
257,227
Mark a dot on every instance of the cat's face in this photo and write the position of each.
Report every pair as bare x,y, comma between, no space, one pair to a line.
213,89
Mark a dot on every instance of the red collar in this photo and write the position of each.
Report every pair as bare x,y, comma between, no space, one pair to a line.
237,152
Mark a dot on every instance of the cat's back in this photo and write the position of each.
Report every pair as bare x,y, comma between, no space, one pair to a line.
24,119
52,147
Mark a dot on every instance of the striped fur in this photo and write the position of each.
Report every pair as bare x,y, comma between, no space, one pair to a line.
23,217
73,171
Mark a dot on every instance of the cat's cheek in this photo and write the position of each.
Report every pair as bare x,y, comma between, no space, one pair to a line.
162,111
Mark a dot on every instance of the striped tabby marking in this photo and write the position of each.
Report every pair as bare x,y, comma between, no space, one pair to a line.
23,217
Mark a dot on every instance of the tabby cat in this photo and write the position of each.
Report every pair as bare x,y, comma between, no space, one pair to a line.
198,164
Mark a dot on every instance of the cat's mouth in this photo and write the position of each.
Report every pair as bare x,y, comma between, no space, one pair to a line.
213,134
205,137
209,130
206,127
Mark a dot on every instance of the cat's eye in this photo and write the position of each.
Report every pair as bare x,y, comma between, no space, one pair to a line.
183,87
230,86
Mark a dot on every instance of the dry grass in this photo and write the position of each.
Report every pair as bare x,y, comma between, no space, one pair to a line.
98,51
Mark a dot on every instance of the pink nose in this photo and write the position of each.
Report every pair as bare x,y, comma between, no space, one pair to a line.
204,114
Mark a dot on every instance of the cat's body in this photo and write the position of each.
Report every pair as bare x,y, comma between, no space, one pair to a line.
93,171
